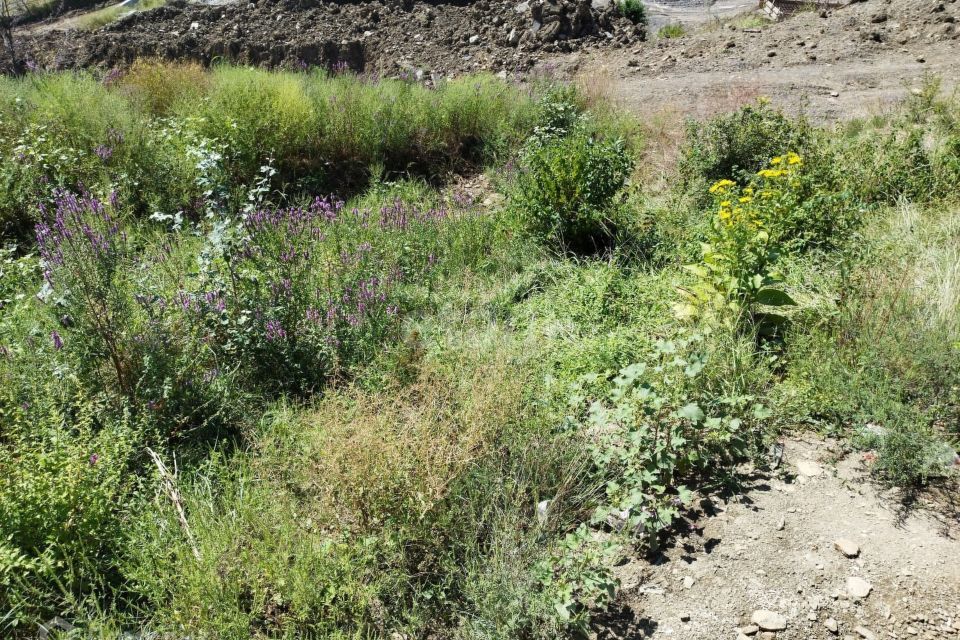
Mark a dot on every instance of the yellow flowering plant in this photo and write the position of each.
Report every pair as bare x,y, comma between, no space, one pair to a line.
737,274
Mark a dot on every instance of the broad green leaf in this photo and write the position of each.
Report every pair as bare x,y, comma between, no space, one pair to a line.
691,412
775,298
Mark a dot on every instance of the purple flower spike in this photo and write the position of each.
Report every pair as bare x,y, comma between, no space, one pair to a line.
57,340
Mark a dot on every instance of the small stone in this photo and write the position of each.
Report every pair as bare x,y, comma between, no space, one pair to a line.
809,468
865,633
831,625
921,59
474,39
847,547
858,587
812,616
749,630
834,94
781,524
768,620
688,582
684,617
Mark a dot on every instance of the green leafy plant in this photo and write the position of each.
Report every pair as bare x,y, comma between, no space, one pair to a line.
566,187
655,431
577,578
737,275
634,10
737,145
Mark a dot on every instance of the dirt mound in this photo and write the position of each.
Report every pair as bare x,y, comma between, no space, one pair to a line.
380,36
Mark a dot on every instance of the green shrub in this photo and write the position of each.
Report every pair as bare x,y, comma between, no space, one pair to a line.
659,426
634,10
566,188
737,145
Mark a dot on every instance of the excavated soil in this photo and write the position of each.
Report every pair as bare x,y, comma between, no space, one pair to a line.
380,36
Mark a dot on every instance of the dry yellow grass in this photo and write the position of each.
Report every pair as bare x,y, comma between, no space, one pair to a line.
367,456
158,85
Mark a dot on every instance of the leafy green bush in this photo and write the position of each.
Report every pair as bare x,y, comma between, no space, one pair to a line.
737,145
566,188
634,10
656,430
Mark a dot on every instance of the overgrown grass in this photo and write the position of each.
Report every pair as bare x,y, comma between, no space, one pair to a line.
423,411
171,127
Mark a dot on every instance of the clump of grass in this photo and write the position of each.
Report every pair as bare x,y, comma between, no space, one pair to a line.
674,30
157,87
752,20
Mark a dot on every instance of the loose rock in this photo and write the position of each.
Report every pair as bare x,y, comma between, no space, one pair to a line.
768,620
847,547
858,587
865,633
808,468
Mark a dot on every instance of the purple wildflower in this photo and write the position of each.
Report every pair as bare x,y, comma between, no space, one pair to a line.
274,331
57,340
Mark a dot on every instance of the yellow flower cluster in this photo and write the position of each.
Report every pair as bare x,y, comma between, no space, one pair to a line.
722,186
782,164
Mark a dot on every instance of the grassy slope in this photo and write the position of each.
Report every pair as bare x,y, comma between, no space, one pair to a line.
440,481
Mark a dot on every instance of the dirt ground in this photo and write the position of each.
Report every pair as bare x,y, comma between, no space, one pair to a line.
773,548
851,62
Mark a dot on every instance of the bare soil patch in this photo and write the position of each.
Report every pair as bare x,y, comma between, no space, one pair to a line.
775,548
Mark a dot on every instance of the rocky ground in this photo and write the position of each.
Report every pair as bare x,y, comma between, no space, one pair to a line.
832,64
387,37
813,551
